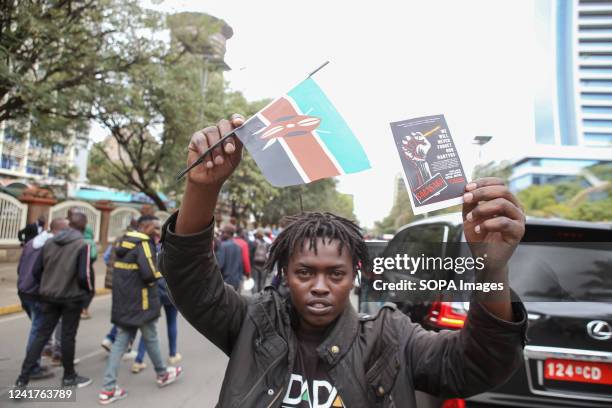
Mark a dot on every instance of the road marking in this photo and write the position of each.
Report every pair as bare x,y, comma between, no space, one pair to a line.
22,315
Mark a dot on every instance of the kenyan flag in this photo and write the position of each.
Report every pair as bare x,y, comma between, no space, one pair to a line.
300,137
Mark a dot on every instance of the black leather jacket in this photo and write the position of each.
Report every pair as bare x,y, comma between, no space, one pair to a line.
377,361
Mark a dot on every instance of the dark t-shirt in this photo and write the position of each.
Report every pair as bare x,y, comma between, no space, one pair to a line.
310,385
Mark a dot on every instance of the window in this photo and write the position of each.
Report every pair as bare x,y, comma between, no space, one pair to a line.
10,136
34,167
10,162
35,143
58,148
562,271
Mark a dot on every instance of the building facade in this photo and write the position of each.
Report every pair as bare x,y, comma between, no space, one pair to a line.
25,157
572,94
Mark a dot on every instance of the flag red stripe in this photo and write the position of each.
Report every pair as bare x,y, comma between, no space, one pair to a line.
306,149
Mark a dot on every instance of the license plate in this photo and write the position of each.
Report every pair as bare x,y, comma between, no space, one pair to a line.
578,371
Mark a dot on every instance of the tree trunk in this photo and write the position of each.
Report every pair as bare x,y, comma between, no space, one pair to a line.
157,200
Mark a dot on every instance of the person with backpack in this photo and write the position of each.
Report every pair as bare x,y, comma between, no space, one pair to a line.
64,279
260,257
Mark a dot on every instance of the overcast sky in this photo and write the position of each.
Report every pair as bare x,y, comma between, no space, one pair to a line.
391,60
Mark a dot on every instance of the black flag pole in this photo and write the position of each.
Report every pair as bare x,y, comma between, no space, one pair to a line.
202,157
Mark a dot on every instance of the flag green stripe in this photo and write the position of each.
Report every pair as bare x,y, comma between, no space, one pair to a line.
340,141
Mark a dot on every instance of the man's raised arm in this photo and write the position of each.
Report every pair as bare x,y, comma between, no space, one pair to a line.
488,349
187,260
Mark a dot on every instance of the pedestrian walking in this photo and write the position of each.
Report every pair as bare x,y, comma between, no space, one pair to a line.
135,306
63,276
242,242
27,288
229,256
311,348
93,255
172,328
31,230
109,259
260,256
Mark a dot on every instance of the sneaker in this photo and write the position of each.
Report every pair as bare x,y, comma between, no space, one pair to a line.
170,376
56,361
41,373
130,355
21,382
138,367
108,397
76,381
47,352
107,344
175,359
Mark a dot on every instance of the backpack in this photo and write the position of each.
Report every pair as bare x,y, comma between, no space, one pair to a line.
261,252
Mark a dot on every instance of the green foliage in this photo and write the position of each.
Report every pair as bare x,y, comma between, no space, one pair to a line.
400,214
567,200
602,171
317,196
152,109
55,54
502,170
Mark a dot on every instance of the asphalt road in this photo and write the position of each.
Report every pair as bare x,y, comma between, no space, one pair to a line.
203,364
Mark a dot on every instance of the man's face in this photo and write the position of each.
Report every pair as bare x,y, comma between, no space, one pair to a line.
152,229
320,284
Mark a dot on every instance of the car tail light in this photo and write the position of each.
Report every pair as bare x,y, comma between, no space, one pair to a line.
453,403
447,315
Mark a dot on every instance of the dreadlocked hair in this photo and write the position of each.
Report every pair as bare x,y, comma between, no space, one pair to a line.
307,228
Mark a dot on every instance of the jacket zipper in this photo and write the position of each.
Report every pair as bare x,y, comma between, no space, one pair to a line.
280,392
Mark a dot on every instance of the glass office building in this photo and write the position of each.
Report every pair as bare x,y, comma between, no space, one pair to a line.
573,92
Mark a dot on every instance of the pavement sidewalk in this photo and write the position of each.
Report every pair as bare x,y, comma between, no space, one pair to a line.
9,301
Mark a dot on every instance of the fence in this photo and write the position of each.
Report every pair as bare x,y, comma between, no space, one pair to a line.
93,215
13,215
120,218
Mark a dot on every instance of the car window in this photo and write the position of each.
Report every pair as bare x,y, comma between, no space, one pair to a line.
556,271
419,240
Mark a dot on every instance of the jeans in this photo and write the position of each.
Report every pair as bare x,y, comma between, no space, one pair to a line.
259,275
112,334
171,314
51,313
32,309
124,335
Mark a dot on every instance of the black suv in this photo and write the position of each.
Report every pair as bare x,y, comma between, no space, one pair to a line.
563,273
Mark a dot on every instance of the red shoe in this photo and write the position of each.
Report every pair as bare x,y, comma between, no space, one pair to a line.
170,376
108,397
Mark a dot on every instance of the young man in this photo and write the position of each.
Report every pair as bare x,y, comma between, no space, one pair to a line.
27,287
260,256
136,305
31,230
230,258
311,348
63,276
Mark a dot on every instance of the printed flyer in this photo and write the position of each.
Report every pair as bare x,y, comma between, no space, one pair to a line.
432,168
